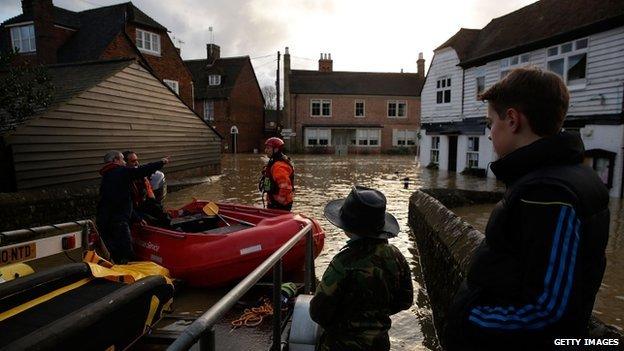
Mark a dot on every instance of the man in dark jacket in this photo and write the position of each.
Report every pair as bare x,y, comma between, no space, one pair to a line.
535,276
114,209
367,281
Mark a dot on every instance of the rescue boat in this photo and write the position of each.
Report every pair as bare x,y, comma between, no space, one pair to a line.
215,250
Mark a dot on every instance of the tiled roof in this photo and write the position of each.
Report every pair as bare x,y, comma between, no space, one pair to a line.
96,28
355,83
69,80
540,24
461,42
228,68
62,17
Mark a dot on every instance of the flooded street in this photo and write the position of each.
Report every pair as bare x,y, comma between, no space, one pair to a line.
609,306
321,178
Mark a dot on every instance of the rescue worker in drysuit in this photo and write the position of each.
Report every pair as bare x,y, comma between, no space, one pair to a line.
278,176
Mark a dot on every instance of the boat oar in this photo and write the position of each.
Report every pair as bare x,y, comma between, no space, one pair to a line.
240,221
212,209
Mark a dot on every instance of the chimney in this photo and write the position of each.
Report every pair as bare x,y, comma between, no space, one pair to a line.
177,49
27,7
42,13
213,53
421,65
325,63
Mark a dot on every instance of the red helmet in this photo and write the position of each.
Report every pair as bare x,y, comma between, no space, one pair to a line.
275,143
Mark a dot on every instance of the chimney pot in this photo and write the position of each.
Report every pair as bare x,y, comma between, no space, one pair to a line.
286,51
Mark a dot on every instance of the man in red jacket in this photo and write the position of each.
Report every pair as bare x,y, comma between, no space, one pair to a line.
278,176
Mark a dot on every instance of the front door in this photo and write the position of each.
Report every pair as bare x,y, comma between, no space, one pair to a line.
452,154
340,139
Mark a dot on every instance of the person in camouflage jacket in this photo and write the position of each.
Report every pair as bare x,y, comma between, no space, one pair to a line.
367,281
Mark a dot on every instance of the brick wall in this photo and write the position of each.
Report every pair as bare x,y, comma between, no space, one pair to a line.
168,65
343,113
244,109
247,110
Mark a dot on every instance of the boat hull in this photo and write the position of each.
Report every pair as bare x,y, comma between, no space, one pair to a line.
222,256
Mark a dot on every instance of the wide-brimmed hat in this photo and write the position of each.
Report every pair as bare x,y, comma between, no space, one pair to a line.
363,212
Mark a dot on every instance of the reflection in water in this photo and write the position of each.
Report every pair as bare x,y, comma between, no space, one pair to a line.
609,305
321,178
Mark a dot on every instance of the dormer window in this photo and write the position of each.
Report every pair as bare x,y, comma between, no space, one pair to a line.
23,38
214,79
148,42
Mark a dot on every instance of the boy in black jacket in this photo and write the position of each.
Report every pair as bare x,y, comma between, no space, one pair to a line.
535,276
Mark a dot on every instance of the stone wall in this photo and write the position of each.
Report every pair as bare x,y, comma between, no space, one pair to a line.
446,243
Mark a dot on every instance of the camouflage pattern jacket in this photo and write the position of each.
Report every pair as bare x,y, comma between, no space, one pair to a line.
365,283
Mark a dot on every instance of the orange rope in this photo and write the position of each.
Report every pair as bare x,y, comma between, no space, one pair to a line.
253,317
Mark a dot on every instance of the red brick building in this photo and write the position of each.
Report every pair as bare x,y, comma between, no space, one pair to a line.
352,112
228,96
46,34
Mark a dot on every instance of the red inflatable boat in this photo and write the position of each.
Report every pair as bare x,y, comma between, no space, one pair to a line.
205,251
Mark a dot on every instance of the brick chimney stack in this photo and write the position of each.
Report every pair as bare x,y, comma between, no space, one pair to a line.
325,63
42,12
213,52
421,65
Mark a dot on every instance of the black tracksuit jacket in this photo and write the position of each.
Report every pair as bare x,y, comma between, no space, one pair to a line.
535,276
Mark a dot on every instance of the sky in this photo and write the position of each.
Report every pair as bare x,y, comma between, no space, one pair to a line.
361,35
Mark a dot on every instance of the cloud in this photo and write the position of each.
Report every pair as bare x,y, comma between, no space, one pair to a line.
361,35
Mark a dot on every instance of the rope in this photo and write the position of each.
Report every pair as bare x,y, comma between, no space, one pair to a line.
254,316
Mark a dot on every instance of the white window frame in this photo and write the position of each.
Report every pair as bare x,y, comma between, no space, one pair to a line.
435,149
443,86
24,45
209,110
555,53
173,84
404,137
509,63
472,153
143,37
321,103
355,109
365,137
396,104
214,80
320,136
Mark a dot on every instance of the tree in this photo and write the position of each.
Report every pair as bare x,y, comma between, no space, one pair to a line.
23,90
270,94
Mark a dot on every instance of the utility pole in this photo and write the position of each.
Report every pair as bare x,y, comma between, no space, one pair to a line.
277,84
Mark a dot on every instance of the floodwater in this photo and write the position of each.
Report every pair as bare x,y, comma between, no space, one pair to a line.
609,305
321,178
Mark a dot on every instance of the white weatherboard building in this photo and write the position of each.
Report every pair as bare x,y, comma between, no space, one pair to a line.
581,40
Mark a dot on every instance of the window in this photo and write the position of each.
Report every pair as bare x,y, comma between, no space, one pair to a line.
569,60
359,108
214,79
173,84
317,136
209,110
368,137
397,108
435,149
510,63
23,38
472,154
480,82
320,108
148,41
404,137
443,90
